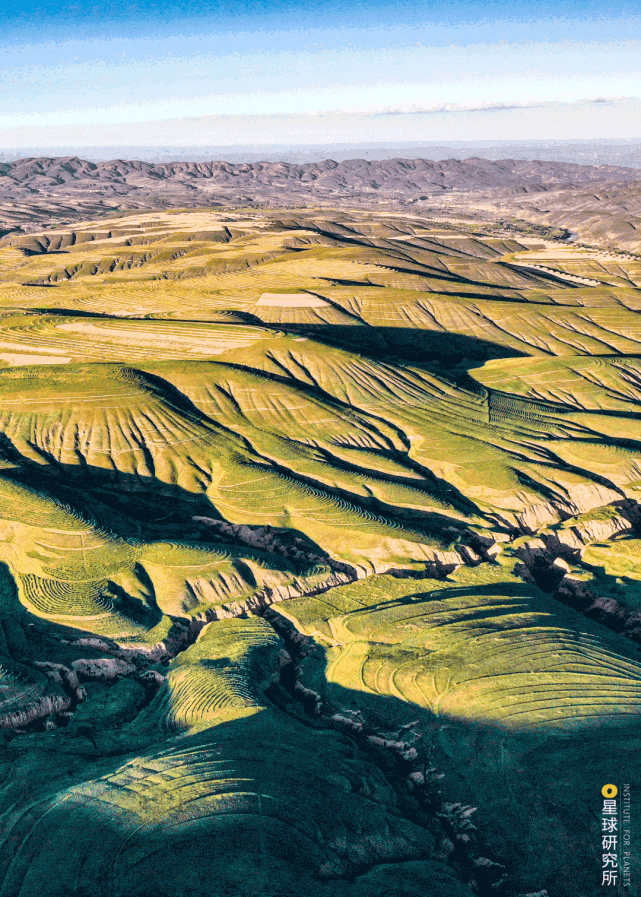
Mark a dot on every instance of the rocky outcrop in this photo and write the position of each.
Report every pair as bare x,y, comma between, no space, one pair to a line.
37,710
405,759
103,669
552,561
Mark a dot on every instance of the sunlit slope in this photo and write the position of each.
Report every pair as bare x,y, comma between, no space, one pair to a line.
524,462
482,649
519,698
107,418
524,295
256,800
217,431
254,424
51,339
220,677
620,558
302,436
599,398
72,571
66,567
601,384
105,424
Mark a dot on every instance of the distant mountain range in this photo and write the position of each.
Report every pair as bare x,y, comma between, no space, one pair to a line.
222,181
596,202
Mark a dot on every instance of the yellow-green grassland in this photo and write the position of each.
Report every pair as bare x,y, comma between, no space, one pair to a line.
320,540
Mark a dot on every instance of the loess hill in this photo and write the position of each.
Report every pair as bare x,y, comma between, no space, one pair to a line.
319,554
600,204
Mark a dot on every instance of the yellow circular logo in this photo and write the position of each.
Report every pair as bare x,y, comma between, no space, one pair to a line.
609,791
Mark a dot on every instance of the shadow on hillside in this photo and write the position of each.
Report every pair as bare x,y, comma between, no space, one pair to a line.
149,509
292,782
519,777
393,345
397,345
145,509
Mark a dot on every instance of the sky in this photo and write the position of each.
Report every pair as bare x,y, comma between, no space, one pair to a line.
196,71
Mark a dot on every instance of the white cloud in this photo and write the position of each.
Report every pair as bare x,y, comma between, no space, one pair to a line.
587,119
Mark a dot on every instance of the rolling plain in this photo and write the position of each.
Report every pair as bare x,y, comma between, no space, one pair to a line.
319,551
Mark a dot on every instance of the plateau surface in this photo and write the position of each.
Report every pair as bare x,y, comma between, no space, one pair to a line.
319,528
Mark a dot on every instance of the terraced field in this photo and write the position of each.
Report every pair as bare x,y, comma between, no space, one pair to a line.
319,556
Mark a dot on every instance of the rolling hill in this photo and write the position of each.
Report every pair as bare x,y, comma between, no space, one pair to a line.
599,204
319,534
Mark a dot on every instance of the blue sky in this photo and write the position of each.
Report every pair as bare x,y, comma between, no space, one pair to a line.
184,72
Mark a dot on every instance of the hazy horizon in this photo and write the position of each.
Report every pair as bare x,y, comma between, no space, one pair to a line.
620,152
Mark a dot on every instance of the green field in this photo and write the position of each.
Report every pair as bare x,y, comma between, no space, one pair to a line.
319,557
